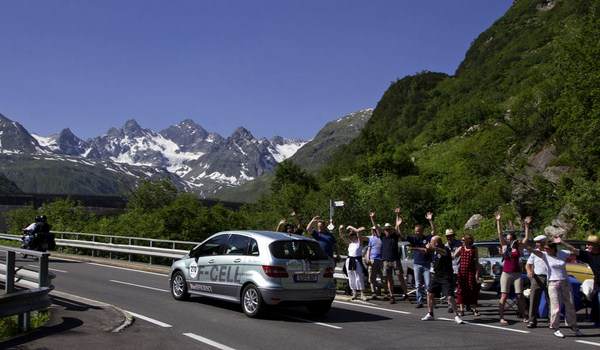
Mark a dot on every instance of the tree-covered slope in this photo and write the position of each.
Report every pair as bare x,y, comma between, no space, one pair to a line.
515,129
7,186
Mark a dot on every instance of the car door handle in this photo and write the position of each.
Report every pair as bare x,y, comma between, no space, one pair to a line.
237,260
211,261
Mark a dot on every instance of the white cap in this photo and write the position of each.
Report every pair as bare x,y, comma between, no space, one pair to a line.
387,225
540,238
449,232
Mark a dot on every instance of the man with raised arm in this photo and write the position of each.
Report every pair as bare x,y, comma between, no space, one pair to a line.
422,259
390,257
512,250
443,278
322,235
373,255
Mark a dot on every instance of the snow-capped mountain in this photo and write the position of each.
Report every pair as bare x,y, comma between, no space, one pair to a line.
201,160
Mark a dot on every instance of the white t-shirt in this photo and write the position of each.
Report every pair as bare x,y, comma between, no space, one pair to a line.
557,265
539,265
354,249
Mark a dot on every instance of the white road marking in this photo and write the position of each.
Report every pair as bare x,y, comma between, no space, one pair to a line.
65,259
373,307
57,270
486,325
140,286
148,319
126,269
587,342
313,322
208,341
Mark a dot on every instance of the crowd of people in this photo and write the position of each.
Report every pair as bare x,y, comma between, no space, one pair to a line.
452,269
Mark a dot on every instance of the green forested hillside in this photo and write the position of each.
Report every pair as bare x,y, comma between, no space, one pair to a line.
7,186
515,129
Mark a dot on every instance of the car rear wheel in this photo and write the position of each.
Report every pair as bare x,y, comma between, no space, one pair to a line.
179,286
252,302
319,308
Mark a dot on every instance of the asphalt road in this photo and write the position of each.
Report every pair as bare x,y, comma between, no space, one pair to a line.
209,324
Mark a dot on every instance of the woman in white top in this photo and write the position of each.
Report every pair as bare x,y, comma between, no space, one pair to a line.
559,290
354,264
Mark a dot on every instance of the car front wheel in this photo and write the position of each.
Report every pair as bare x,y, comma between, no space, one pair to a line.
252,303
179,286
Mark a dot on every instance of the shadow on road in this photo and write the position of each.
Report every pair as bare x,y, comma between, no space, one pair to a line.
67,324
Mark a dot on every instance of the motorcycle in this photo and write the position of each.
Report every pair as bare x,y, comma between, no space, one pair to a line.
38,241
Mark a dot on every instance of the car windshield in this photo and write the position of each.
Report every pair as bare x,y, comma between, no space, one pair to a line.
304,250
489,251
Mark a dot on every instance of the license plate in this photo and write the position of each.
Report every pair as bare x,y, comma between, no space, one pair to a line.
306,277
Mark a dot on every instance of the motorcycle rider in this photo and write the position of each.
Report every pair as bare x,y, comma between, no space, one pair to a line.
37,236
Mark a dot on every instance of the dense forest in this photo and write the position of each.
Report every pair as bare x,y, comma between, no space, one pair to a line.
515,130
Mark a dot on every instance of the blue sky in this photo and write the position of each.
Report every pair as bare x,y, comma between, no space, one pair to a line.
277,67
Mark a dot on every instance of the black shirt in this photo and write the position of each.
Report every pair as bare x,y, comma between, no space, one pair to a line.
442,264
389,247
420,258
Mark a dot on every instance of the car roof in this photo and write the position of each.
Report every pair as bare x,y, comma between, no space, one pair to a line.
268,235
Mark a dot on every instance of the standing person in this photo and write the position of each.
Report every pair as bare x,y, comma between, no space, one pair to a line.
591,256
322,235
467,291
559,290
443,278
354,264
391,257
538,278
374,262
421,259
453,244
511,268
288,227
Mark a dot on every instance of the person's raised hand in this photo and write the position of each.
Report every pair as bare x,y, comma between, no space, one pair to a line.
397,210
498,216
293,213
429,216
316,218
528,220
372,214
399,221
282,221
557,240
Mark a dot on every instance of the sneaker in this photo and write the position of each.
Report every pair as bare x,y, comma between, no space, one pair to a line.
531,324
404,297
419,306
450,310
392,300
503,322
578,333
428,317
458,320
559,334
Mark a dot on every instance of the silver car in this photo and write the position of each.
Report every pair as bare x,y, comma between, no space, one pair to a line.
257,269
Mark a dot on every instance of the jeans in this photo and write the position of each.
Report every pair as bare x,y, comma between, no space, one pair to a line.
422,279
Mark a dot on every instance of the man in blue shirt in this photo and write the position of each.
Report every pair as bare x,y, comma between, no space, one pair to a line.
422,259
374,258
322,235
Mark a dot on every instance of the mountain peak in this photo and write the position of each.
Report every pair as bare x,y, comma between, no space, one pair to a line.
132,125
242,133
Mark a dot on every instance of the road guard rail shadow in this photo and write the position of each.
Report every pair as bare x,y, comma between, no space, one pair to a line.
25,290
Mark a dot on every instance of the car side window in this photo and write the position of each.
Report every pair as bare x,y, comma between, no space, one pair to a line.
237,245
253,250
214,246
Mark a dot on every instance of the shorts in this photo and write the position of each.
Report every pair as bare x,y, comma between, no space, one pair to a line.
390,266
508,278
442,286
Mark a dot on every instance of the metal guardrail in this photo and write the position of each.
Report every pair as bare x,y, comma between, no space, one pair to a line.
22,301
118,244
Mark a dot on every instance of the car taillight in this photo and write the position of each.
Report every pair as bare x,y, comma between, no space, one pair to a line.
275,271
328,272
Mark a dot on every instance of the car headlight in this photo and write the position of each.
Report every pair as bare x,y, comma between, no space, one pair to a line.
497,269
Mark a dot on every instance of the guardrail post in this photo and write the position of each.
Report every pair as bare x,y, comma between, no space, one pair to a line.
110,253
93,240
43,280
130,254
24,321
151,255
10,272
